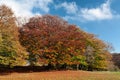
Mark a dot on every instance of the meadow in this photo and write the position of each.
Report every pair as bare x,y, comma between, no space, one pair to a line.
62,75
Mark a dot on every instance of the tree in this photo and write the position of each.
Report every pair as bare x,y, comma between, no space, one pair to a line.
97,54
11,52
51,40
50,37
116,59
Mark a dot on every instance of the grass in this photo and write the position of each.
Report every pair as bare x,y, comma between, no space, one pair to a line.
62,75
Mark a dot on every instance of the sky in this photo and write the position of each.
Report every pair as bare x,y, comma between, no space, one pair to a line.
100,17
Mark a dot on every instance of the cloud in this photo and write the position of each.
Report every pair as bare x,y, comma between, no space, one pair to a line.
24,7
43,4
73,11
102,12
71,8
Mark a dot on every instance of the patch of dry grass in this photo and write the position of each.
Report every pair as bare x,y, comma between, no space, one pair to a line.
62,75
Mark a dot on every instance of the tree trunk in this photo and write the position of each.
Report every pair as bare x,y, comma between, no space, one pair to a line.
77,66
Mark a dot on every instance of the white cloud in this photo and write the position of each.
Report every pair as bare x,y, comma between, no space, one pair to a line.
24,7
43,4
102,12
71,8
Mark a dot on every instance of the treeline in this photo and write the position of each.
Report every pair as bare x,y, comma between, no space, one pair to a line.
116,60
49,41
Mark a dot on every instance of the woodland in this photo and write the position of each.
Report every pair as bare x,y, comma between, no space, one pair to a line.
50,43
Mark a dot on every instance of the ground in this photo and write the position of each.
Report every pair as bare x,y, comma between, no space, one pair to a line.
61,75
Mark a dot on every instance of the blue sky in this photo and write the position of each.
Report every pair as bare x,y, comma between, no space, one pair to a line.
101,17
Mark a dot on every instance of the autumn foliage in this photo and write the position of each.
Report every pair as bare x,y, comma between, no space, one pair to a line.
11,52
53,42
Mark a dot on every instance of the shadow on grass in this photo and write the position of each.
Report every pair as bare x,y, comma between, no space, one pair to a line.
23,69
5,73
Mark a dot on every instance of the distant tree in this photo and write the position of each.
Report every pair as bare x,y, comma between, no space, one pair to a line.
116,59
11,52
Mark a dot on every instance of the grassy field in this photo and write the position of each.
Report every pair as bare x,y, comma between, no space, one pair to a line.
62,75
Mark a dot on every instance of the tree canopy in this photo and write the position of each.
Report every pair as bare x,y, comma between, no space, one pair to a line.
11,52
51,40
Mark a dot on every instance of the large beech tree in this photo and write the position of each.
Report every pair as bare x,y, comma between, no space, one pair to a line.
51,40
11,52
